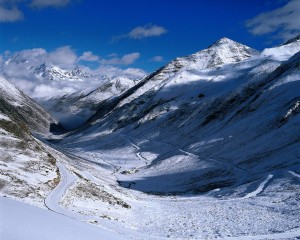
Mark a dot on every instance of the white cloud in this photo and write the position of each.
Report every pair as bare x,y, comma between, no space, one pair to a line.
110,71
33,56
64,57
42,90
20,67
146,31
10,14
49,3
127,59
89,57
284,21
142,32
134,73
157,59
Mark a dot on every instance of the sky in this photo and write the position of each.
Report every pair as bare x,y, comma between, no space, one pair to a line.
127,38
141,34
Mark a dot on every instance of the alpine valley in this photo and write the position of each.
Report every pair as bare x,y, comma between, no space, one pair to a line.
206,147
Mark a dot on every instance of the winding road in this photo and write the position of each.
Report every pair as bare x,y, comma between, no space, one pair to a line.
67,179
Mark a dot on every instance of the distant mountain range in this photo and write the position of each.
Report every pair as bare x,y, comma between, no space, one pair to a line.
56,73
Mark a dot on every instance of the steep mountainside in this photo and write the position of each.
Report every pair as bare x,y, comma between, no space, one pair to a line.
21,108
27,168
224,51
205,119
73,110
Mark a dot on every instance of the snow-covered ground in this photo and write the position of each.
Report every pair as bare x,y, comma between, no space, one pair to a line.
262,209
20,221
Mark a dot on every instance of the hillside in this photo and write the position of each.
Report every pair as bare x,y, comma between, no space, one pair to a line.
213,115
27,169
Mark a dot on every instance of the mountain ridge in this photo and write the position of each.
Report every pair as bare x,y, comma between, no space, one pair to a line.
178,105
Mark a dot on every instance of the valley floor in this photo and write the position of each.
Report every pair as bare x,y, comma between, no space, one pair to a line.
89,191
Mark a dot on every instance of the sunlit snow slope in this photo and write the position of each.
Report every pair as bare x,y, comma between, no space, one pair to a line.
221,117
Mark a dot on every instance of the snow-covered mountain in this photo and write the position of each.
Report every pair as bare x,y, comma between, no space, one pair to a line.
71,96
215,107
73,110
45,71
207,147
16,105
56,73
224,51
27,169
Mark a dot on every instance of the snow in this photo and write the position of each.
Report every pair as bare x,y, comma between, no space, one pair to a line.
295,174
4,117
283,52
260,187
73,110
244,213
66,181
21,221
11,93
294,233
225,178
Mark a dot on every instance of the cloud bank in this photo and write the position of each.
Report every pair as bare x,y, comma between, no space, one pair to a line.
284,21
88,57
26,70
63,57
146,31
10,14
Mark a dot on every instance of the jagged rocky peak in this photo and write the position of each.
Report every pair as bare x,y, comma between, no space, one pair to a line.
52,72
224,51
225,40
41,68
295,39
77,71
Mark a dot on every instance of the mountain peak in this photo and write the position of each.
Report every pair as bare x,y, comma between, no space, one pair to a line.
224,51
295,39
224,40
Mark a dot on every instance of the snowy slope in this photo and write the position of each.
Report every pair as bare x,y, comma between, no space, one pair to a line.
27,169
215,143
22,221
219,111
224,51
73,110
15,103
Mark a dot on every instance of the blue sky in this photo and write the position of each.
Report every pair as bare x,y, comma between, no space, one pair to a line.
142,34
